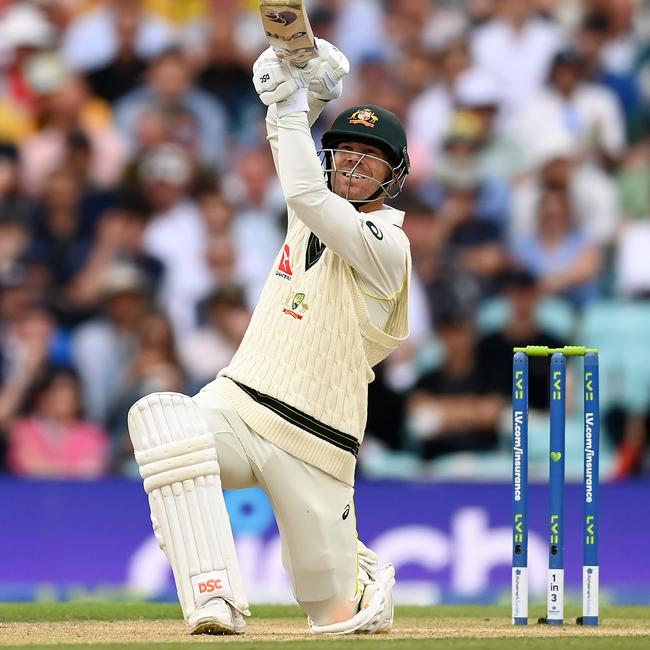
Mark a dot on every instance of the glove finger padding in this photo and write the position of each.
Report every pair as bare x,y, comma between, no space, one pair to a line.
276,80
331,55
325,73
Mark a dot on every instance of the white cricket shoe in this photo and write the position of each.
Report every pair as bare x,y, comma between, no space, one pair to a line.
375,615
379,588
216,617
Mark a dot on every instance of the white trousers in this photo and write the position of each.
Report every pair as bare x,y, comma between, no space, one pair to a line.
314,511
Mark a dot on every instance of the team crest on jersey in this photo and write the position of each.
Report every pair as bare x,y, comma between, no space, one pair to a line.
364,116
284,269
295,306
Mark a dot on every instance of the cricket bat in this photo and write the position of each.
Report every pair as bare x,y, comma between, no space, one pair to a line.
288,30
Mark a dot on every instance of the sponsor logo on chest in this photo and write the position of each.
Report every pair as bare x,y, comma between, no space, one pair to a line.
284,268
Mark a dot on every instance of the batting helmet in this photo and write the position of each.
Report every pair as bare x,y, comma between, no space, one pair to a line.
379,127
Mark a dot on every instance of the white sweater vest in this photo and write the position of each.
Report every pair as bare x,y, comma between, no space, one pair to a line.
300,376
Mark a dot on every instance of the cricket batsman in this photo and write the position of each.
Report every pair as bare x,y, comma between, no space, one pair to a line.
289,412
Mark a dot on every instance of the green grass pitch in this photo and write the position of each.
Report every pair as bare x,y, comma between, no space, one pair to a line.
144,625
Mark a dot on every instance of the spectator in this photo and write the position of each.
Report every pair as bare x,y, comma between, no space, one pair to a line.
374,84
166,176
451,409
93,39
122,72
217,211
590,113
28,336
430,24
358,43
555,165
256,197
632,266
66,107
472,156
430,114
419,71
476,242
561,255
24,32
501,157
516,48
592,40
11,200
623,41
522,328
385,426
224,72
53,439
64,222
14,240
221,258
210,348
152,366
420,229
438,278
169,89
119,237
104,346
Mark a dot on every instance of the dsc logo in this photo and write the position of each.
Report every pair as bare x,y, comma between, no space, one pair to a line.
210,586
206,585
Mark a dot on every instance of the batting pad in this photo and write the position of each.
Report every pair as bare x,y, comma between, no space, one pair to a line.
178,461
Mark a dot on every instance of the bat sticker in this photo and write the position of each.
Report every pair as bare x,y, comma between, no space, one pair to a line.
283,17
286,39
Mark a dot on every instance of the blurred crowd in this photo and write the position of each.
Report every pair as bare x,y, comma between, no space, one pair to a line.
140,214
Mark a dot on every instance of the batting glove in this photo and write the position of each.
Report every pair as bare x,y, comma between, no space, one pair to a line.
325,73
279,82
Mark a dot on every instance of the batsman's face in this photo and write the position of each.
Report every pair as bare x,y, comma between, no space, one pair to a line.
360,169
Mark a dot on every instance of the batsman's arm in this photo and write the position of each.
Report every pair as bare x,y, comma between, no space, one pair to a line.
316,107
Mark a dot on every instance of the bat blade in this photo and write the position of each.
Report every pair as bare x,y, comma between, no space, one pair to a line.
288,31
